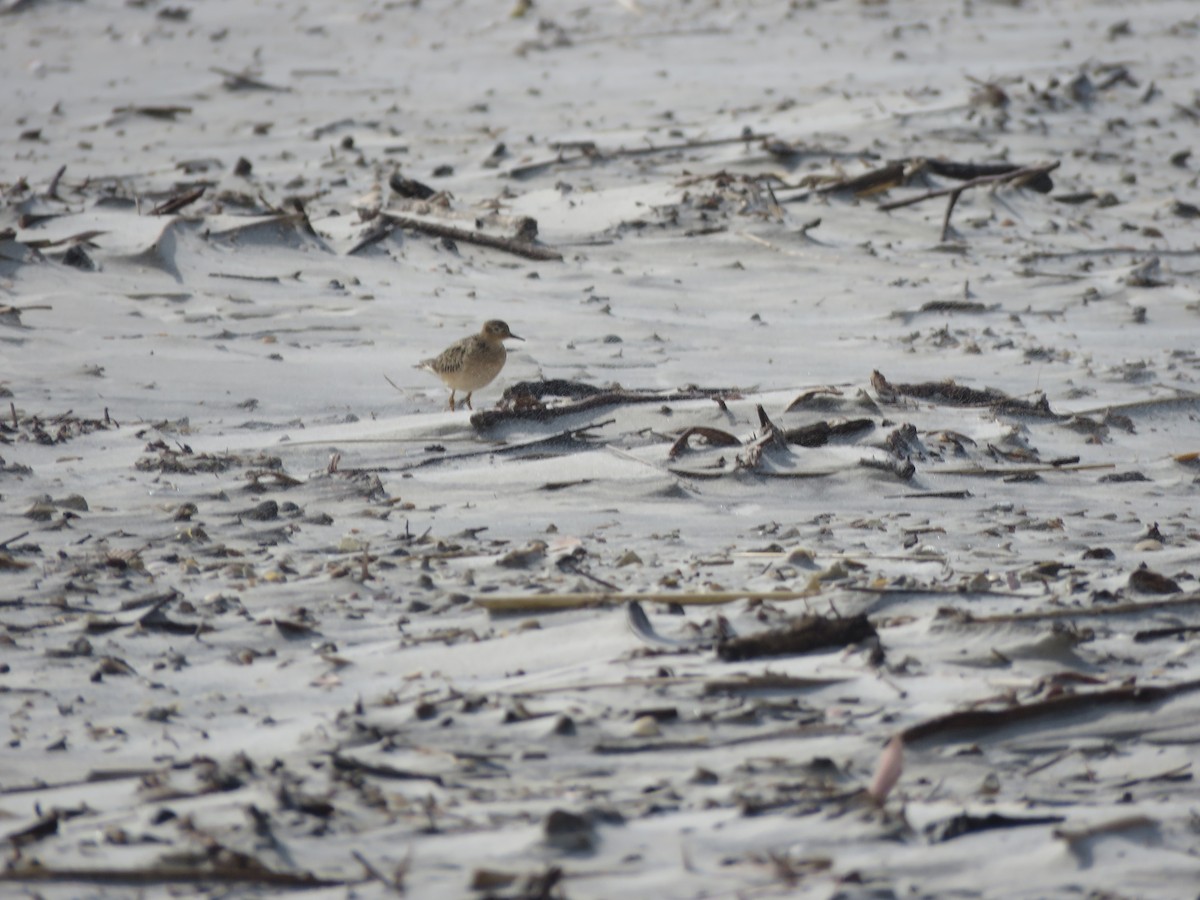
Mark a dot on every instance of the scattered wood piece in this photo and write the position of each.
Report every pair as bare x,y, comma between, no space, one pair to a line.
1019,177
243,81
818,434
713,437
962,617
876,181
568,441
970,171
984,472
167,113
965,824
640,625
1122,249
178,202
381,770
525,603
943,392
767,682
527,406
804,635
1156,634
83,237
950,393
1146,581
972,723
819,396
52,188
1075,836
587,151
518,246
235,872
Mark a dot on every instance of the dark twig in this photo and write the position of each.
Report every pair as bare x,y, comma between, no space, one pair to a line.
170,874
972,723
564,441
1021,175
589,151
527,406
178,202
517,246
52,190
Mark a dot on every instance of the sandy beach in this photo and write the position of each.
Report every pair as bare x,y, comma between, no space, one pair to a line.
830,534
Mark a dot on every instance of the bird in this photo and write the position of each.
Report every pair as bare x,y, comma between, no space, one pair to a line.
472,363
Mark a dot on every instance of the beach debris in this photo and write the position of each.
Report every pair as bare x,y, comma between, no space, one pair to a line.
806,634
178,202
888,770
977,723
1145,580
244,81
574,152
1035,177
712,437
967,823
522,244
949,393
525,401
569,832
640,625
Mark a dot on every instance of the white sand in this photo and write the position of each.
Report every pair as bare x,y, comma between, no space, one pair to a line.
226,329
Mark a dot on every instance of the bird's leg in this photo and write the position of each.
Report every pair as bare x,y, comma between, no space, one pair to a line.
452,401
469,406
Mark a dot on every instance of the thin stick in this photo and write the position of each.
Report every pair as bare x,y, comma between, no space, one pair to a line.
1116,609
1020,470
978,721
1014,175
170,875
547,602
1105,251
590,152
516,246
52,190
1183,397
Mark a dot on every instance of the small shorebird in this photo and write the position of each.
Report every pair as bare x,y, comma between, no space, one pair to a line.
472,363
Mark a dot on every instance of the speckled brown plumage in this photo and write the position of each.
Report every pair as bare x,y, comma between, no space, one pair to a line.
472,363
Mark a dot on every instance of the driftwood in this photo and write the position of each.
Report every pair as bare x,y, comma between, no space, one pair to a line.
564,442
382,770
232,873
949,393
178,202
639,624
518,246
1021,177
972,722
804,635
530,603
965,823
523,401
818,434
899,172
588,151
1042,183
873,182
814,435
1074,612
713,437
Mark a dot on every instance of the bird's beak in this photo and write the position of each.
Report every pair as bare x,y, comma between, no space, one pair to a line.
517,336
